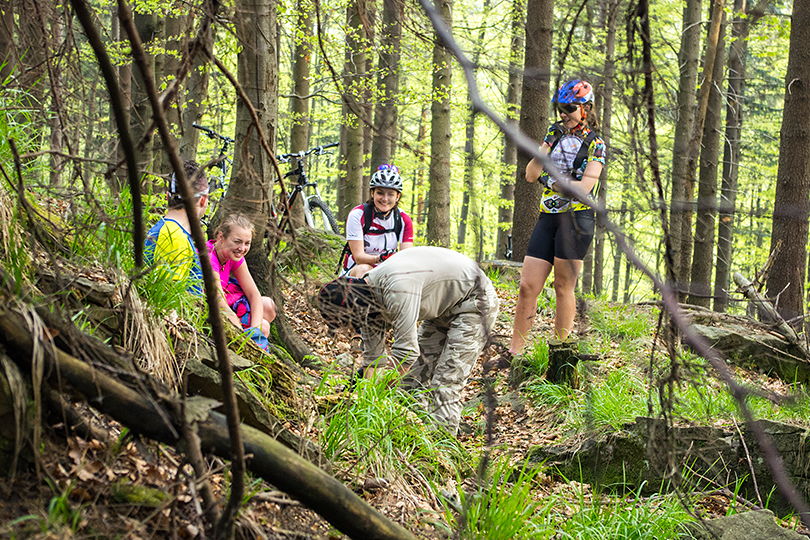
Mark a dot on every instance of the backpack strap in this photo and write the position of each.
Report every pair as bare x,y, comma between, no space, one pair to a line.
368,217
582,154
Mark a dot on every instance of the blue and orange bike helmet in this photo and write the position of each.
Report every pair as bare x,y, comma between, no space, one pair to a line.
572,95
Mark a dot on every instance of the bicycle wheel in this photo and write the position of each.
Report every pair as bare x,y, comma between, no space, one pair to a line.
322,216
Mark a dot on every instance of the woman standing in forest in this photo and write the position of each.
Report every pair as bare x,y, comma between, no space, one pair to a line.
565,227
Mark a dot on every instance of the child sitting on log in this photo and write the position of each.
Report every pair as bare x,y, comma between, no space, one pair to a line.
241,299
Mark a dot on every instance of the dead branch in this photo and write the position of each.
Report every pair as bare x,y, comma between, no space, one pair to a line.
121,123
668,296
212,286
148,416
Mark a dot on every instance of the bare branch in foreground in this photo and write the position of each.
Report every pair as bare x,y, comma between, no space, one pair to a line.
669,298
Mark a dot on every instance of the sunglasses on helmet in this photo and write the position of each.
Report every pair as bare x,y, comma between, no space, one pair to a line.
566,108
386,167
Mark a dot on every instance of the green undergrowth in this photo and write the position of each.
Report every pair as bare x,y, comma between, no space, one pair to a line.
380,430
616,388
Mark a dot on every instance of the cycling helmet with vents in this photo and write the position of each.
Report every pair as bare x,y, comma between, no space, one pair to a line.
575,91
386,176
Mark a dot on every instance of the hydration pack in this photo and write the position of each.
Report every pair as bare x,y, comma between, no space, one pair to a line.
368,218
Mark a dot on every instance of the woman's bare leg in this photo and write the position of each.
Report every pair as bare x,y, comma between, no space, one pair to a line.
532,278
566,272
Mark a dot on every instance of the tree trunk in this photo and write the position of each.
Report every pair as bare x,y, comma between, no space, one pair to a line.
419,188
299,102
792,202
606,94
688,58
118,179
31,73
252,176
513,91
57,122
709,60
385,114
702,262
533,117
196,93
737,52
469,198
141,113
438,225
350,190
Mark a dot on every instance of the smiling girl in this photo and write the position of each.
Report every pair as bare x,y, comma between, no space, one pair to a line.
241,300
377,229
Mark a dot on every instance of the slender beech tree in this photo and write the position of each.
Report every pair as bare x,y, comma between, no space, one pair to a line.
469,198
744,18
253,175
140,114
534,101
513,88
792,203
438,225
299,100
350,188
192,105
695,142
610,12
688,60
388,69
706,210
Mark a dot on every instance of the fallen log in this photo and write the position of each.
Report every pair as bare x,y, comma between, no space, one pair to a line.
148,416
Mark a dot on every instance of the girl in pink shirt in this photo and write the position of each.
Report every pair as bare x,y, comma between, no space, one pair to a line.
246,307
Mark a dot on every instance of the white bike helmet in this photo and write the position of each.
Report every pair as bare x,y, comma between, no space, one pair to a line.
386,176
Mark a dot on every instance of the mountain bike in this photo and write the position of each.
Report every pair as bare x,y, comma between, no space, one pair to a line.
222,161
316,213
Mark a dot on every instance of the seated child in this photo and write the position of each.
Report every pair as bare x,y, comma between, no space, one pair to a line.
246,307
168,243
377,229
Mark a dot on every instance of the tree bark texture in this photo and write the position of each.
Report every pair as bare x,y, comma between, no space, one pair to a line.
252,176
513,91
438,225
8,51
737,53
695,143
192,105
388,69
606,94
706,210
688,59
792,202
533,117
350,189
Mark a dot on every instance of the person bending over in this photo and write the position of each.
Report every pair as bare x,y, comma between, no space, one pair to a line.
456,304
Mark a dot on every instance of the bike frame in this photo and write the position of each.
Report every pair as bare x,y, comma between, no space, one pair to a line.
299,188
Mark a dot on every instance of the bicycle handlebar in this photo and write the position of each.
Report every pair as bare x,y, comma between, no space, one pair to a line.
317,150
211,134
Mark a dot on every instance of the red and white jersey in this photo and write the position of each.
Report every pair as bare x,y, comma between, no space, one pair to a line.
374,244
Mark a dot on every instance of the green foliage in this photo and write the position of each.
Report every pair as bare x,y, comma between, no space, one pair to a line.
626,518
502,508
620,321
61,513
379,428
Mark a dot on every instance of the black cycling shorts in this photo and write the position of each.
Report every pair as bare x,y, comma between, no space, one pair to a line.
566,235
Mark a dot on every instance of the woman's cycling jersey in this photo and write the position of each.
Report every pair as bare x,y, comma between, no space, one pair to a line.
564,150
374,244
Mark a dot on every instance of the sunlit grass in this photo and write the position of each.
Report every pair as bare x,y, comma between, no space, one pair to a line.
379,429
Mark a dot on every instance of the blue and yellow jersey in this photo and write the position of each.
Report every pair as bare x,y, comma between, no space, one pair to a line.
565,148
170,246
